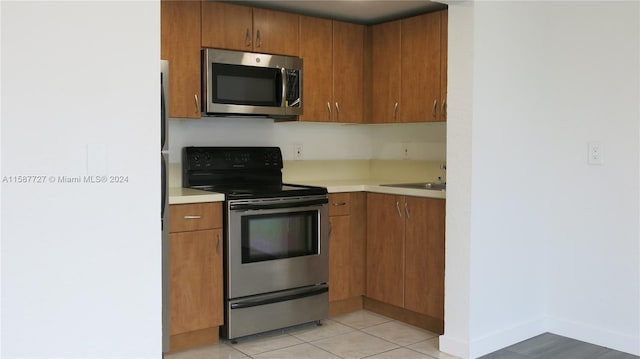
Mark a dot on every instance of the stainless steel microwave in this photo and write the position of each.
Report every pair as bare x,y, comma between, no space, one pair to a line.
247,83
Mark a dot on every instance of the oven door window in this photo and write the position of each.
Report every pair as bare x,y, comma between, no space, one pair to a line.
280,235
246,85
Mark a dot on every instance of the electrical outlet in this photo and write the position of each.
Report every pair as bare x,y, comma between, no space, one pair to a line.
405,150
297,151
596,153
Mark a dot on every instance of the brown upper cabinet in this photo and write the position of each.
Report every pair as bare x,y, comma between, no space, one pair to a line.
244,28
407,59
386,72
444,49
180,44
333,55
409,69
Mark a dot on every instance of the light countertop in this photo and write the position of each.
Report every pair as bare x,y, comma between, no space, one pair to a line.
179,195
337,176
372,185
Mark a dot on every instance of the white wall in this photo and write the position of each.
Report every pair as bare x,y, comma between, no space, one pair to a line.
80,262
459,170
596,295
321,141
553,242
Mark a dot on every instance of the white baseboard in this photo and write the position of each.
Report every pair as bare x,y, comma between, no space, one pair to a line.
507,337
493,341
454,346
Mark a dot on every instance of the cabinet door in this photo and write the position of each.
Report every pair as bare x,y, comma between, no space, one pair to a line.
385,249
275,32
424,271
385,63
180,44
348,72
316,52
195,266
339,258
444,48
357,242
227,26
420,92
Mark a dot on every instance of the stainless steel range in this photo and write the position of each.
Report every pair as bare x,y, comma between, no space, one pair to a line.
276,238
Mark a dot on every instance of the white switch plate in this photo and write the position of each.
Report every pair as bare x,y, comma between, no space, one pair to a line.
596,153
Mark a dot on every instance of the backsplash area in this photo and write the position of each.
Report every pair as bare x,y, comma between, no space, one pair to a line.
319,141
380,171
329,151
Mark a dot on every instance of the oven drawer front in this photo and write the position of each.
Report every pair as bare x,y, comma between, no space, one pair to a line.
245,318
265,277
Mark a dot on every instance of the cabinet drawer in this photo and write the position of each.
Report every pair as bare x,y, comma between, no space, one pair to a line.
193,217
339,204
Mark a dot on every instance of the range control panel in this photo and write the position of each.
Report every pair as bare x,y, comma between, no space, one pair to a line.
228,158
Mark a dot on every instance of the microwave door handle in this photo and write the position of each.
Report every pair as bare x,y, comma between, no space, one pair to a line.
283,76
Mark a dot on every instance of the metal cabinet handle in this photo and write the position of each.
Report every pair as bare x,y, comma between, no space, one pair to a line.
444,108
258,39
329,109
192,217
218,244
435,107
398,208
337,111
395,110
195,98
406,210
330,229
337,204
247,38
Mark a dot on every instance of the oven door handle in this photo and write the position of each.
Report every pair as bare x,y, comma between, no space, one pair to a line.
255,303
258,206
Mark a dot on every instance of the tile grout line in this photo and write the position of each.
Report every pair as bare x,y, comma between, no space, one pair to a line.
324,350
369,326
355,330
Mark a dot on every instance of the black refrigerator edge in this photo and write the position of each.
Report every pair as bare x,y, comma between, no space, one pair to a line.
164,212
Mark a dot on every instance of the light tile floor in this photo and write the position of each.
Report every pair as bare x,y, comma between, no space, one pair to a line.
361,334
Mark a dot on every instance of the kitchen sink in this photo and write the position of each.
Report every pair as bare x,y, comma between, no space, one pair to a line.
434,186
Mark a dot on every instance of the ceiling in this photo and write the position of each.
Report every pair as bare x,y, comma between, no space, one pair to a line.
357,11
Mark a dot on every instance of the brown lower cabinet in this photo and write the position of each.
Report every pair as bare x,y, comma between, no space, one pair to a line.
386,254
347,216
195,274
405,259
